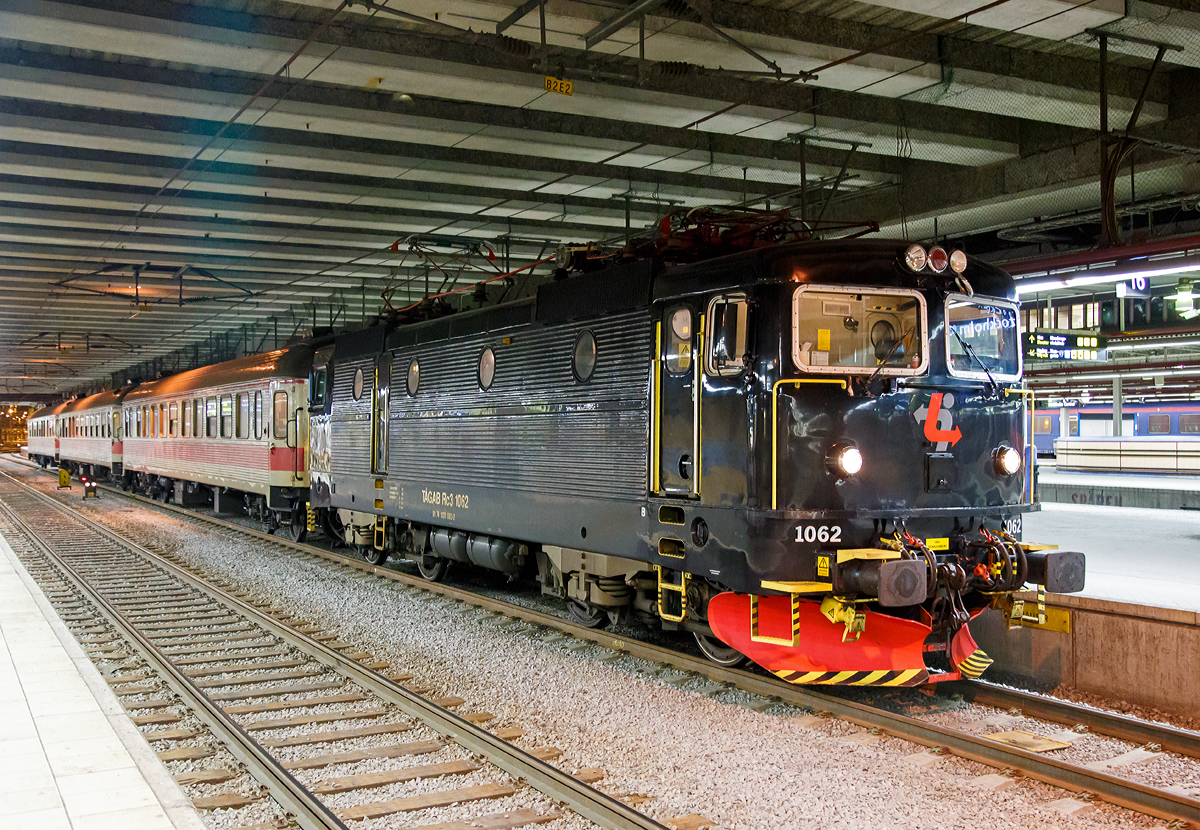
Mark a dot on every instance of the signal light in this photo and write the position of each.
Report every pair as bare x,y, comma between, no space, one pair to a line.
1007,460
915,257
938,258
958,261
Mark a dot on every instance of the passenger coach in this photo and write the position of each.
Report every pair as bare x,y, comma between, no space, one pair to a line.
234,434
43,437
91,435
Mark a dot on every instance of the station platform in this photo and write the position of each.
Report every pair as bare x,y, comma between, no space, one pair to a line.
1164,492
70,759
1142,557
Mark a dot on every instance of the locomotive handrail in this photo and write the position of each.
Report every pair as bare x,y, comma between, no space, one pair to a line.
1028,393
775,427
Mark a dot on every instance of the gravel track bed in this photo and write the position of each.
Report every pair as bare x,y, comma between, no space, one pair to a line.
690,753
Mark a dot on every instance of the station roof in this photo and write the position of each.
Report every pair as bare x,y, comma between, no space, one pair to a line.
179,175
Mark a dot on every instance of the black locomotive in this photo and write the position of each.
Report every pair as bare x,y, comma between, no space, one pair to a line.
811,453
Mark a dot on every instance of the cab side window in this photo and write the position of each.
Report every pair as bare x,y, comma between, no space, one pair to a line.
728,338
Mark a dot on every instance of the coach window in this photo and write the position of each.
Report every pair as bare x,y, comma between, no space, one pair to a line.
210,417
316,387
1041,425
186,430
281,415
1160,424
243,415
226,416
259,416
116,426
197,418
1189,423
173,421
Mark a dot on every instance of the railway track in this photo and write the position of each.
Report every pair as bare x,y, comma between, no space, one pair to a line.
207,646
1172,806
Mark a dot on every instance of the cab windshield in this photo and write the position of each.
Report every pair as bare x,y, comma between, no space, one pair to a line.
858,331
982,339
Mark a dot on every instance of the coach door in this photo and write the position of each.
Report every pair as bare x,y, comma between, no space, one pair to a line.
679,402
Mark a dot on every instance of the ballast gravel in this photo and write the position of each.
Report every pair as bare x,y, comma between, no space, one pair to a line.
685,752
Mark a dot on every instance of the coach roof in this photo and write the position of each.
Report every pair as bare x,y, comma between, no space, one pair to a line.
291,363
51,410
106,398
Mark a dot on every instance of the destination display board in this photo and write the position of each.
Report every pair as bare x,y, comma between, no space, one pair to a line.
1065,345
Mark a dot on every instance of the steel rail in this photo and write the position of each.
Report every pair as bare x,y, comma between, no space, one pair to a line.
307,810
1100,721
1112,724
1122,792
564,788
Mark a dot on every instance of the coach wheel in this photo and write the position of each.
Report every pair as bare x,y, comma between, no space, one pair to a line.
297,526
432,568
718,652
586,614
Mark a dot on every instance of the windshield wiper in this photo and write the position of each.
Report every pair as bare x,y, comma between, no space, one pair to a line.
970,351
899,341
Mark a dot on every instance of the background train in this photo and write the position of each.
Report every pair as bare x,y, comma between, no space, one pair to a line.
808,453
1154,420
233,435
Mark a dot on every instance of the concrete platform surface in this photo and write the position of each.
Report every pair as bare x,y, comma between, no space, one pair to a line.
1135,481
69,756
1134,555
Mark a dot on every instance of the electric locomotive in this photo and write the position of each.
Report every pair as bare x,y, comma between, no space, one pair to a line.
811,453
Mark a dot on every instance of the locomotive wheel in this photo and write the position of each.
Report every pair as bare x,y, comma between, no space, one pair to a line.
432,568
375,557
298,526
718,652
589,616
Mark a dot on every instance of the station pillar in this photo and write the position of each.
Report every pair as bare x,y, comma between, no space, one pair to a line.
1117,406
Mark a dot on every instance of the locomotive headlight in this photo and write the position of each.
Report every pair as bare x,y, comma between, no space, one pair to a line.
915,257
1006,460
958,261
845,461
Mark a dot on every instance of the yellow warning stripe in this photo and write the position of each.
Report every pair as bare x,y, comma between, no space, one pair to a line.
976,664
870,679
907,677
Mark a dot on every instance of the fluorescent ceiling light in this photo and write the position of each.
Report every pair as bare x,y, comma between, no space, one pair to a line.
1101,277
1164,344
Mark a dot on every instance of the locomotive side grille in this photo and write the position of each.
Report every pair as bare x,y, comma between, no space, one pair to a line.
350,433
536,428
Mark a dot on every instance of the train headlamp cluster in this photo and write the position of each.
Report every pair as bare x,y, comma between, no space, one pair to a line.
1006,460
936,258
844,460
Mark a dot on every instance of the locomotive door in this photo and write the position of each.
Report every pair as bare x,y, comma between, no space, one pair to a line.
678,403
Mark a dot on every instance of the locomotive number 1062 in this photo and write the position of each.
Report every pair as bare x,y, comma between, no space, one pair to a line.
818,533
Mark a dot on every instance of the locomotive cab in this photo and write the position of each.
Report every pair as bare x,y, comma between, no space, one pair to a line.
895,430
